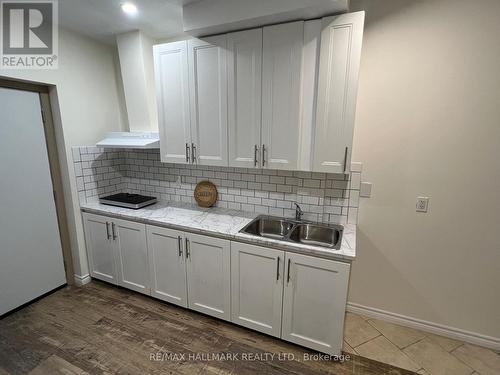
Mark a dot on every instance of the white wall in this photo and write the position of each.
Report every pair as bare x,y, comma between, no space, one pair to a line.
87,105
428,123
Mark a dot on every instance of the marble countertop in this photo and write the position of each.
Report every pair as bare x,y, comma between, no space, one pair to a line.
219,222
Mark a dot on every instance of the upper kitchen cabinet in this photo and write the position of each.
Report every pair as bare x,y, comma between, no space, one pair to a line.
191,88
244,77
264,96
341,39
278,97
208,100
281,88
172,92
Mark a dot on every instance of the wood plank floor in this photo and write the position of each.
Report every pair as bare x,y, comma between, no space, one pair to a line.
102,329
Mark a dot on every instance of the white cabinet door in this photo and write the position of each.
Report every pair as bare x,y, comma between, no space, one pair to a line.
244,77
172,94
257,287
131,255
281,91
208,275
340,54
100,248
208,100
167,265
314,301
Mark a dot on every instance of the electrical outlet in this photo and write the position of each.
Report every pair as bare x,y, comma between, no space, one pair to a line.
422,204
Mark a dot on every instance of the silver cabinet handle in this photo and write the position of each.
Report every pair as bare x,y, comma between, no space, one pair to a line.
107,231
288,275
188,252
179,245
345,158
263,155
187,152
255,151
278,269
115,236
193,153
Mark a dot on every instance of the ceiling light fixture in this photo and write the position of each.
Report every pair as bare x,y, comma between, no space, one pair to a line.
129,9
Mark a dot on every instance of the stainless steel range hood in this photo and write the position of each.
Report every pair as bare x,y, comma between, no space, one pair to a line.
130,140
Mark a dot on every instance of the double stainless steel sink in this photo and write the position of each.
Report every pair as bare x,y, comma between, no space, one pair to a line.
303,232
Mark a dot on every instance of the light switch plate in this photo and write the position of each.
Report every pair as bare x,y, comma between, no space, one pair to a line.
422,204
365,190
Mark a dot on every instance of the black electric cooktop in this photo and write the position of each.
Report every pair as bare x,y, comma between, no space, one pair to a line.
127,200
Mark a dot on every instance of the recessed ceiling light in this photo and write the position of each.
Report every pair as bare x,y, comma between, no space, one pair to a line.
129,9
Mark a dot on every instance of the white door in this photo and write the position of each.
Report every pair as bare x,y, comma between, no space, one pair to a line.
100,247
167,265
244,78
257,287
281,73
340,55
314,301
131,255
172,96
208,100
31,261
208,275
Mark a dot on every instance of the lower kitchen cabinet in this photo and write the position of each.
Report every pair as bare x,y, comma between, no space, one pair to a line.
314,300
167,265
257,287
190,270
131,255
208,275
296,297
100,249
117,251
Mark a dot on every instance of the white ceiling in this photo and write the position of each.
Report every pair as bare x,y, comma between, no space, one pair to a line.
162,19
102,19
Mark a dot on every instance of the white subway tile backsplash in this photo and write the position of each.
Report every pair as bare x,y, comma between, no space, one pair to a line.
262,194
323,197
277,196
356,167
354,198
355,181
276,211
352,217
312,183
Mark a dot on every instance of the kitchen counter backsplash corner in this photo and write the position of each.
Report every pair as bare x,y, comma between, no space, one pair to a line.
331,198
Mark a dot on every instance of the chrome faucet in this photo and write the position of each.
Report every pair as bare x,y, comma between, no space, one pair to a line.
298,211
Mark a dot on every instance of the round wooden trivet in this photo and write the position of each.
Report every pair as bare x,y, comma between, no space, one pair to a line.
205,194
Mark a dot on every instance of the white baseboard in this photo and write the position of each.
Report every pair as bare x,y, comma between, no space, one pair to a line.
426,326
82,280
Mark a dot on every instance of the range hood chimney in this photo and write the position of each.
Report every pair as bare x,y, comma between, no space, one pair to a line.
135,51
136,65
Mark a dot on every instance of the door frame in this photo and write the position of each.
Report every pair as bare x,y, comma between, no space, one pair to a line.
54,166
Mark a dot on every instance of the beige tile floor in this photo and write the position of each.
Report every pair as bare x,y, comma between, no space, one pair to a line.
414,350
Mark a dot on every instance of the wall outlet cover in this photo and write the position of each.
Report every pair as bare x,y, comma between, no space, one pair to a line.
422,204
